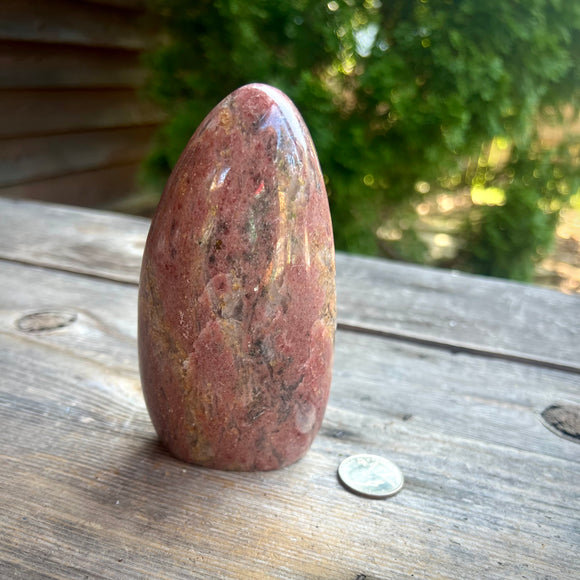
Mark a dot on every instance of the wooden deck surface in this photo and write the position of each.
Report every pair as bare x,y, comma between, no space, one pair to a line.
443,373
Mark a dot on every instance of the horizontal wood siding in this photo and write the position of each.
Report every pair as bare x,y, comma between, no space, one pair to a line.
88,188
74,126
37,158
30,65
27,113
71,22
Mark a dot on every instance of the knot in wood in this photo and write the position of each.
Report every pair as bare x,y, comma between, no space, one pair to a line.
46,320
563,420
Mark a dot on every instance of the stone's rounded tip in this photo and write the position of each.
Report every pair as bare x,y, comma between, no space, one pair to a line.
237,304
261,87
272,92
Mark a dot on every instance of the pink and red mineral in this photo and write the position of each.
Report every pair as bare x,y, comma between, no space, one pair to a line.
237,302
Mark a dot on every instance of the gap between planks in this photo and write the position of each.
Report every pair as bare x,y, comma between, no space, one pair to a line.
454,347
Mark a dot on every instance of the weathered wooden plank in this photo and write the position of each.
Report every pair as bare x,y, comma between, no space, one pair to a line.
97,236
36,158
26,113
71,22
457,394
87,188
457,311
26,65
101,333
88,492
470,313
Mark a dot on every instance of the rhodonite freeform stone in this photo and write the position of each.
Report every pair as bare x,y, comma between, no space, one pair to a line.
237,303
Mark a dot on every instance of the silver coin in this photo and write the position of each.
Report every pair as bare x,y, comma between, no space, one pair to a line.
370,475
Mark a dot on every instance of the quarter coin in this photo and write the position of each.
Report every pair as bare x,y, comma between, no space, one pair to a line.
370,475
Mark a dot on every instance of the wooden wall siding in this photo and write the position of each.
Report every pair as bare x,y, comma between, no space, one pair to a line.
28,65
71,22
47,112
36,158
74,127
87,188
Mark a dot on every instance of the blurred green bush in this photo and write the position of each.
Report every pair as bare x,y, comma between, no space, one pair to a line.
405,100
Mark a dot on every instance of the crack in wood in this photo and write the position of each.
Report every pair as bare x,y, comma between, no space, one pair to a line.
456,348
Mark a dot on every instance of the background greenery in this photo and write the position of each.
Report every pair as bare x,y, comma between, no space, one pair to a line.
408,102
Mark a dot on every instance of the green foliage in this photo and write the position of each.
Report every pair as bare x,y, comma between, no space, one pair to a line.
497,238
394,93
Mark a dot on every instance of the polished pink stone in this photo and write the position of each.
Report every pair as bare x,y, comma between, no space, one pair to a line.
237,303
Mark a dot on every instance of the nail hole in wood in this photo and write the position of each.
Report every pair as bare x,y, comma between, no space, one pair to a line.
46,320
563,420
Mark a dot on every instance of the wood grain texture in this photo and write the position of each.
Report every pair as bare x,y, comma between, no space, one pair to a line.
27,113
73,127
88,492
71,22
103,244
25,65
36,158
452,390
457,311
466,313
90,188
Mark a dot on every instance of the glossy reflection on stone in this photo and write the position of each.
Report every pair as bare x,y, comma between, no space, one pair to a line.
237,304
